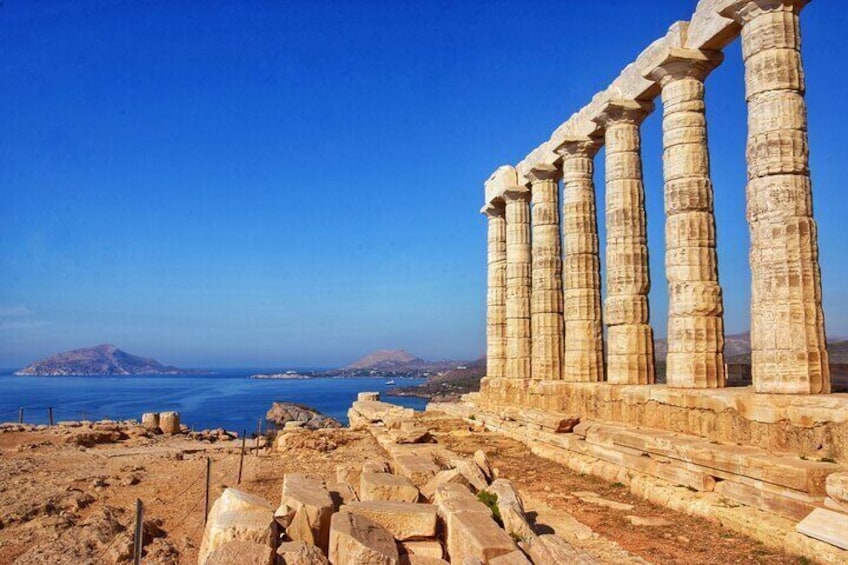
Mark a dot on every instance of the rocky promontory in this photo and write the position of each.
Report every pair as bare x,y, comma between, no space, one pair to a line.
281,413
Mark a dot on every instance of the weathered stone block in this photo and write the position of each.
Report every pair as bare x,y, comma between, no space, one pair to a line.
405,521
355,540
385,486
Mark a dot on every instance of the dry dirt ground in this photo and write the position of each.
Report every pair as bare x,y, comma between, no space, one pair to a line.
65,503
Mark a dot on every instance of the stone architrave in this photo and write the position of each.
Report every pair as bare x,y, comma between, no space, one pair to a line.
630,339
546,296
582,316
695,310
496,296
518,282
788,344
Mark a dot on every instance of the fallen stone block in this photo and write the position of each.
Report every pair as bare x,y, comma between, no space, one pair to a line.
300,553
150,421
511,509
313,507
385,486
236,516
449,476
836,486
516,557
416,468
553,422
236,525
471,532
648,521
356,540
375,411
405,520
482,461
341,493
421,560
827,526
376,466
550,548
407,434
169,422
471,472
241,553
423,548
592,498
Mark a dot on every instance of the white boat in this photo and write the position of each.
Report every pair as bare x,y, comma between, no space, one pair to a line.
390,382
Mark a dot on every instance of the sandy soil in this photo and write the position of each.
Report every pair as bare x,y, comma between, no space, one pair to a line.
66,503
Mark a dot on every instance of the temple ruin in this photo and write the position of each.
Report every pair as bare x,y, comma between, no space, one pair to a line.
557,352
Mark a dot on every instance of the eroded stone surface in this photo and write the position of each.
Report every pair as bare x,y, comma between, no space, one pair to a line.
356,540
385,486
405,521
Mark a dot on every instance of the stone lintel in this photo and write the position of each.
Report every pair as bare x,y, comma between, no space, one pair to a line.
618,110
677,62
708,29
495,186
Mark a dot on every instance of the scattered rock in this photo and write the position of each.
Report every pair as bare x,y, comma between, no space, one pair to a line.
648,521
300,553
404,520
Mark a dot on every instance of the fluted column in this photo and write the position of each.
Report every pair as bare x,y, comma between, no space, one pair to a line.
789,354
496,295
695,311
518,283
630,339
584,344
546,301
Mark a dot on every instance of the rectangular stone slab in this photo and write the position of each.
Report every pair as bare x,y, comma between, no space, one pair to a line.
405,520
827,526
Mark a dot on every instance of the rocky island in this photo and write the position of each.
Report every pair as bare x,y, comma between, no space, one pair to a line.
103,359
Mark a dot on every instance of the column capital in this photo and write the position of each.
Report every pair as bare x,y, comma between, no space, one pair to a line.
579,146
676,63
544,171
623,111
743,11
494,209
516,192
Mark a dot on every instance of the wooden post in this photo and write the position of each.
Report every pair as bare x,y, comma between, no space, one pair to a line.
139,532
258,433
208,479
50,414
21,415
241,459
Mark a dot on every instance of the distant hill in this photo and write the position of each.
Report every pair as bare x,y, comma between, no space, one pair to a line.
397,360
103,359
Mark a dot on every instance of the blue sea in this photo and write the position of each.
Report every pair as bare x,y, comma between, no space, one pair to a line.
228,399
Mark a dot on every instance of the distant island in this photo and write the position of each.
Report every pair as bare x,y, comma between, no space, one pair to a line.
103,359
288,375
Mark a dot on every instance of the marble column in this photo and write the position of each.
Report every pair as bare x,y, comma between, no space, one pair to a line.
584,345
695,310
788,344
518,282
546,302
496,295
630,343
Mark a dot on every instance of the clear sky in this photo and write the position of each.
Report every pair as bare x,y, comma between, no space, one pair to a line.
296,183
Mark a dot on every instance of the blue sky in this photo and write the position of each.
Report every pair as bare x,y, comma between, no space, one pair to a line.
274,183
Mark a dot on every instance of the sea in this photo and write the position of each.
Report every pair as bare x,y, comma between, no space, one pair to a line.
228,399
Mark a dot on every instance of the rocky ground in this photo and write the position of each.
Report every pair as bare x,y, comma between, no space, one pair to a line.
67,494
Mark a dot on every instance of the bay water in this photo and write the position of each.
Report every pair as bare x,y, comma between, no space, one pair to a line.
227,399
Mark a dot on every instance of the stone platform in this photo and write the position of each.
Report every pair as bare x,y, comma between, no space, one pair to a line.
809,426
